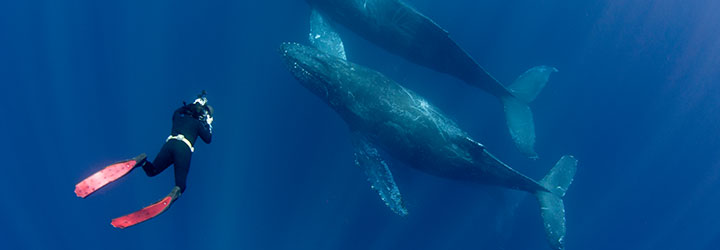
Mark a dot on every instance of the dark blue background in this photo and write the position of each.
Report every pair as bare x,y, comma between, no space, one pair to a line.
86,83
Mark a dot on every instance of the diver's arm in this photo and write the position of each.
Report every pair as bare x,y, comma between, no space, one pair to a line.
206,129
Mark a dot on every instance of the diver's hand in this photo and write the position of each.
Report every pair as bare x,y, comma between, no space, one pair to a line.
208,123
209,120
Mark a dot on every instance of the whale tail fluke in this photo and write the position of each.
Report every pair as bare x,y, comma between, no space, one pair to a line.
552,208
517,112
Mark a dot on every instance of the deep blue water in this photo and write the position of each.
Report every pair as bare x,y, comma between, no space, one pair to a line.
87,83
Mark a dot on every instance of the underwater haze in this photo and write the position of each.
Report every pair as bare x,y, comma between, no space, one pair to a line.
88,83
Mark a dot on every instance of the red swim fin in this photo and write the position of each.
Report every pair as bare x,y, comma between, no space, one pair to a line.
143,214
148,212
106,175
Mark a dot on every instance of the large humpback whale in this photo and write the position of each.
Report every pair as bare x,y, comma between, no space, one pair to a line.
400,29
385,117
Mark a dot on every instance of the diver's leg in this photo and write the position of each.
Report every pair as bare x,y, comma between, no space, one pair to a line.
182,157
162,161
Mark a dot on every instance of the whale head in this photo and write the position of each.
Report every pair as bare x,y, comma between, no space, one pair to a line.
321,73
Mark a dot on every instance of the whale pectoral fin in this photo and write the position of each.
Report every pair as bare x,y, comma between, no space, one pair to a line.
378,174
323,37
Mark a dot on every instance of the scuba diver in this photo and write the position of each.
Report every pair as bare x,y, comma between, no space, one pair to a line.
188,122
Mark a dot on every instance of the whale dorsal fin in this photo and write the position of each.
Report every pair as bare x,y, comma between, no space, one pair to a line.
378,174
324,38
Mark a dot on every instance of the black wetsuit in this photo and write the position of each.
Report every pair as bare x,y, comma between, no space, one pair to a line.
176,151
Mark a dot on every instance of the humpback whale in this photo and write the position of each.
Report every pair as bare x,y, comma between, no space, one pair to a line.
387,119
401,30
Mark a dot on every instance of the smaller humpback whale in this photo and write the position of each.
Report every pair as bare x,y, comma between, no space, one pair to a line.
385,117
400,29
